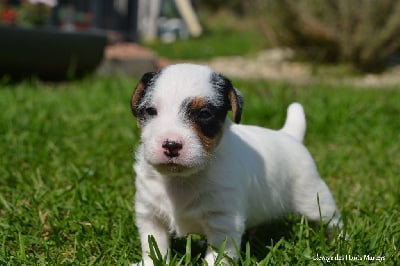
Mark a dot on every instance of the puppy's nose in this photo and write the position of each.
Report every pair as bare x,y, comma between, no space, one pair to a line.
172,148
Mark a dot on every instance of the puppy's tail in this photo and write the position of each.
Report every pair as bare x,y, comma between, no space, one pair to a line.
295,124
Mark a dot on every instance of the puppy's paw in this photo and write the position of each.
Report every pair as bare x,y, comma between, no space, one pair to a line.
211,258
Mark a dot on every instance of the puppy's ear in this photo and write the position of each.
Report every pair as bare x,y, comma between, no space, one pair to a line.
141,88
233,96
236,100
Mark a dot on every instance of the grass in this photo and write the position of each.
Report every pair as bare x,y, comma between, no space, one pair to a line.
224,35
66,181
216,43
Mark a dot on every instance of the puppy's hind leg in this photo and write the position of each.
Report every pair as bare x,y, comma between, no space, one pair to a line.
317,204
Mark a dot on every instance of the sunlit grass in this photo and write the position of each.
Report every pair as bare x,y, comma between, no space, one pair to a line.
225,34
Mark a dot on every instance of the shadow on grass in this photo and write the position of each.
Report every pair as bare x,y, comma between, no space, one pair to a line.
267,235
259,238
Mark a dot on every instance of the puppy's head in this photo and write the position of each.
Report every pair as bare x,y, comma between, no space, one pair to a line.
181,111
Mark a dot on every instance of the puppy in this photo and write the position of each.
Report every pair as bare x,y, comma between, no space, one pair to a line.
198,172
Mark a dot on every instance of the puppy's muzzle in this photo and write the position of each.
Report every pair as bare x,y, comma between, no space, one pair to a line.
172,148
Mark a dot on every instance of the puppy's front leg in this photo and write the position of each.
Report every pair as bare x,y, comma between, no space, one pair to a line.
221,228
151,225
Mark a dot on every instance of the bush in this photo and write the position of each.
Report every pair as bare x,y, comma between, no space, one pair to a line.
365,33
240,7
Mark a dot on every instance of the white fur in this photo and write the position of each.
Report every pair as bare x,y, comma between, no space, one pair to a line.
177,82
172,88
253,176
295,124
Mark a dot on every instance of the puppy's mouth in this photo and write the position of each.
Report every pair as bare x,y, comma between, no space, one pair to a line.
172,167
177,167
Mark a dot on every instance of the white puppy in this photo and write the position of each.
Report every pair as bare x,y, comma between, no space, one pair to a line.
197,172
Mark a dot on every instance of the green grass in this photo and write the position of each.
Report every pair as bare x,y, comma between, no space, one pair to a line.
224,35
66,181
219,42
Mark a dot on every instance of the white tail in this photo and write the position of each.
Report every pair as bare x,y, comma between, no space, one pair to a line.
295,124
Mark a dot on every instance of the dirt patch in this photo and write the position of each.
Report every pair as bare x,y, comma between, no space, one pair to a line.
272,64
276,65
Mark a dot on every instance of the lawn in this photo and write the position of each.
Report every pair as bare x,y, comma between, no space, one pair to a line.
66,181
224,35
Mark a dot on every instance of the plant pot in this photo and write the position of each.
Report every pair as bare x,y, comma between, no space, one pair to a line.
49,53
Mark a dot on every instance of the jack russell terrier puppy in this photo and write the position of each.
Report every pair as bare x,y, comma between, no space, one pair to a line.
198,172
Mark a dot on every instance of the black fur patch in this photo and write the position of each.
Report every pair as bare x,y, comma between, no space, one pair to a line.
143,88
231,97
205,115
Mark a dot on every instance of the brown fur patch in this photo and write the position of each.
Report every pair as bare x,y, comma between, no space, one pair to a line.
208,143
140,91
136,96
236,108
198,103
136,99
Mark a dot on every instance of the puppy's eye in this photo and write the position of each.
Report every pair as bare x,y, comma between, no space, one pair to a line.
151,111
205,114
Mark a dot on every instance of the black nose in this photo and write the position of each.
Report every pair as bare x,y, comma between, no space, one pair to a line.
172,148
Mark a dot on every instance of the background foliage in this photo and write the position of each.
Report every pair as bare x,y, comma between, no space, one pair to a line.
364,33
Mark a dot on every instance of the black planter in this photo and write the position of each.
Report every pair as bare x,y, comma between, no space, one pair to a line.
49,54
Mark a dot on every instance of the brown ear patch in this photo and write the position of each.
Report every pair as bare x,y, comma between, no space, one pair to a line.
236,101
146,82
137,95
233,98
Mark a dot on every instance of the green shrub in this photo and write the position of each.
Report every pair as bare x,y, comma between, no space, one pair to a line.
238,6
365,33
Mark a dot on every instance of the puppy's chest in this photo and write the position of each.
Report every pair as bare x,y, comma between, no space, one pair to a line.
182,205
